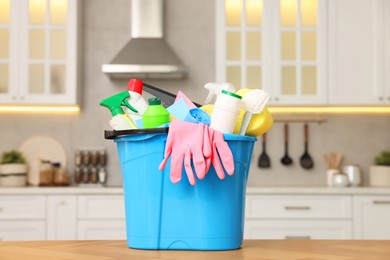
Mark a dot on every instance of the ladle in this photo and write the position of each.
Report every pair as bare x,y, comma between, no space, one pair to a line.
286,160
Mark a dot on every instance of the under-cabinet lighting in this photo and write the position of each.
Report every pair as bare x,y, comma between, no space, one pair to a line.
329,110
40,109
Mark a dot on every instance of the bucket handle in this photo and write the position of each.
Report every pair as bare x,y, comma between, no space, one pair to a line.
116,133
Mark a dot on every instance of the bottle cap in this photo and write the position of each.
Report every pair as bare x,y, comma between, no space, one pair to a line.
154,101
135,85
231,94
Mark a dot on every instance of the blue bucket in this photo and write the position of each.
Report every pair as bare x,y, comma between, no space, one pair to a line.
163,215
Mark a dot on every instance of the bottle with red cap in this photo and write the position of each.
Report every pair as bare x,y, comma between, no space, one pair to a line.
136,100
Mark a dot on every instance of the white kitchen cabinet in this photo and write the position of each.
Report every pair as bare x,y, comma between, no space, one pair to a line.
101,217
61,217
358,52
319,52
22,230
38,52
278,46
371,217
298,229
22,217
298,217
101,230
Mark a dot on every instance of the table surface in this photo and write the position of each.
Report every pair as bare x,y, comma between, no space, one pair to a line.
251,249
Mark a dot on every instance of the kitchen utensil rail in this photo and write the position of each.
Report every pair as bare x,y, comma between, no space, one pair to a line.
300,120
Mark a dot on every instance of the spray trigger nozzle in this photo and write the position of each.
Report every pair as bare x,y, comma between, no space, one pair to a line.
126,103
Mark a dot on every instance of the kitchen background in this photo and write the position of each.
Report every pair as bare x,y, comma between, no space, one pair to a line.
190,30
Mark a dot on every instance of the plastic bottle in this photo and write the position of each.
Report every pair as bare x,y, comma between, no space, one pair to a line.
226,110
155,115
120,120
136,100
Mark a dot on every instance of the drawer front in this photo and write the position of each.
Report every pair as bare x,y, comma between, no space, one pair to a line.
22,207
298,229
297,207
22,230
101,230
101,207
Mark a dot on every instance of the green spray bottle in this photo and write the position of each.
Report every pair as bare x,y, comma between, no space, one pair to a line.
120,120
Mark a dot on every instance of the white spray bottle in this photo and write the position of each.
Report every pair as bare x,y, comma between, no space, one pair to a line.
136,100
216,88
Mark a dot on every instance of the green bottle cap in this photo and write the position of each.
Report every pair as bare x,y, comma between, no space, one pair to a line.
154,101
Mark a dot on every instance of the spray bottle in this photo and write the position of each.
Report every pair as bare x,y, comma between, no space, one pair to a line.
120,120
135,100
215,89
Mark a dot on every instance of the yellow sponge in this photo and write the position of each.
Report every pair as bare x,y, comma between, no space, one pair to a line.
259,124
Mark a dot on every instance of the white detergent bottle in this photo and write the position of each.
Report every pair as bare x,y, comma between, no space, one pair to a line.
136,100
225,113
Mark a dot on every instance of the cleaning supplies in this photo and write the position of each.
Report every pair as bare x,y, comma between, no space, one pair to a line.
226,110
120,120
135,100
259,124
216,88
155,115
180,110
253,103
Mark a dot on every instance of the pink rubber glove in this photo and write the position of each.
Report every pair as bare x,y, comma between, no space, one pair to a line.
186,141
220,153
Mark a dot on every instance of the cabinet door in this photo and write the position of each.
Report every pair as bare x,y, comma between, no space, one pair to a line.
38,51
278,46
8,54
101,230
298,229
371,217
386,33
48,31
22,230
356,57
298,52
61,217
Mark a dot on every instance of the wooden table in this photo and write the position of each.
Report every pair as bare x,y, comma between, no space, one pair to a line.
251,249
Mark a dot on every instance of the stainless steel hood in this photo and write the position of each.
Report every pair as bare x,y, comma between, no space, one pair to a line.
147,55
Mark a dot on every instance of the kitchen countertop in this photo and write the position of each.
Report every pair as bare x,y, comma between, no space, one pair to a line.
250,190
251,249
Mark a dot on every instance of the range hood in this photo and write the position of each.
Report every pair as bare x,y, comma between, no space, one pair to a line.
147,55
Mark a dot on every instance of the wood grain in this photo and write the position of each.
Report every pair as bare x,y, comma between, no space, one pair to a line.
251,249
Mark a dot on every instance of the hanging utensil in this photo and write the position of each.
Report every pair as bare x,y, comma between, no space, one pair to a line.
306,160
264,160
286,159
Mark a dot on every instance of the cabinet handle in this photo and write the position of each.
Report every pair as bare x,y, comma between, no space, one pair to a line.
298,237
1,209
380,98
388,98
381,202
62,202
297,208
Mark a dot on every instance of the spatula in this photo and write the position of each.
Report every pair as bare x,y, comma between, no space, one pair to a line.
264,160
